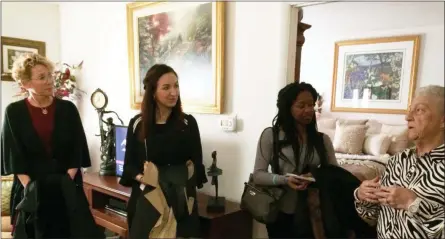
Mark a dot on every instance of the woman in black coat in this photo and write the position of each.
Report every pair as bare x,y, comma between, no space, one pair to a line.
42,141
169,139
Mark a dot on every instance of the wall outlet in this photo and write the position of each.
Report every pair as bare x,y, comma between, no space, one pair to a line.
228,123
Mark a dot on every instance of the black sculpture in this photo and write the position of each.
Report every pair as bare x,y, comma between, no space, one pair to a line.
107,146
215,204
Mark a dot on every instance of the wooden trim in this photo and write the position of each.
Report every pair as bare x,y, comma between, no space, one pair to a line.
300,42
292,47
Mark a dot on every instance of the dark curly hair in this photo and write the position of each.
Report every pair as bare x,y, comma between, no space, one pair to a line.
285,121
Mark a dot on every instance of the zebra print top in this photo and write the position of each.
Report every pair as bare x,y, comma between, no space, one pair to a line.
424,175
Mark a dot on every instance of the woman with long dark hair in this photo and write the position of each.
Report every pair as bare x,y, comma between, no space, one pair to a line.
300,148
163,162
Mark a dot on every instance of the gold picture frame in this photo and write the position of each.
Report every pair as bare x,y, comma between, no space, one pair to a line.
12,48
202,88
375,75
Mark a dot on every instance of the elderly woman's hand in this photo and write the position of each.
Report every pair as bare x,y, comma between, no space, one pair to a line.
396,197
368,188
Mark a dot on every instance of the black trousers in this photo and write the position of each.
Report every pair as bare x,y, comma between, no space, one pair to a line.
285,227
53,212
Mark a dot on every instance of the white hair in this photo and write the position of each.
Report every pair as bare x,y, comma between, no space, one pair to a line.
434,91
431,90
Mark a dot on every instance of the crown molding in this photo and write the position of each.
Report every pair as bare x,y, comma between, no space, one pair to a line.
306,4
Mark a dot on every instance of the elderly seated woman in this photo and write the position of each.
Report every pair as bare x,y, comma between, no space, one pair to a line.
408,201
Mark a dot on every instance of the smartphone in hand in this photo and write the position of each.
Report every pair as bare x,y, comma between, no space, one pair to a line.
310,179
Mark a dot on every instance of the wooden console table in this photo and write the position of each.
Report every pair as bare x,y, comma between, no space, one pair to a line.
233,223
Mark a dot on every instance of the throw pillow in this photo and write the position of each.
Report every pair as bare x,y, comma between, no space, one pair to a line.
349,138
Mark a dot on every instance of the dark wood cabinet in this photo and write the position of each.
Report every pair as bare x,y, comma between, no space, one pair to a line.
233,223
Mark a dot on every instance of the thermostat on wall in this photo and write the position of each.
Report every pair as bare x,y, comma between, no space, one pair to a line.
228,123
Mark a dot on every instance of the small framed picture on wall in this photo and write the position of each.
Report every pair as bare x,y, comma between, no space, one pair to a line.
376,75
12,48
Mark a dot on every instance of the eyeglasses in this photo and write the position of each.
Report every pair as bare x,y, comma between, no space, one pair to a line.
46,78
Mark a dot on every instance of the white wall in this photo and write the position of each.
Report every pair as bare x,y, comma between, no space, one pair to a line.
354,20
256,55
32,21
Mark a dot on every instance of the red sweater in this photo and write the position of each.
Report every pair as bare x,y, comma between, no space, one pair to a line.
43,124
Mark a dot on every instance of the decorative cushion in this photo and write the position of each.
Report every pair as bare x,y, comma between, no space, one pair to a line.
352,122
6,227
326,123
374,127
376,144
6,194
398,135
349,138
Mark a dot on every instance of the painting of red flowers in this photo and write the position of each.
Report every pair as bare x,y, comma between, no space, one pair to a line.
187,36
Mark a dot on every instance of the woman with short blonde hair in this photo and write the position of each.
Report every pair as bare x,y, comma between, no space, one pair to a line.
21,69
43,146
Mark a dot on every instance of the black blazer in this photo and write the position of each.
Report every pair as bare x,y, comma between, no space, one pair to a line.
135,155
22,152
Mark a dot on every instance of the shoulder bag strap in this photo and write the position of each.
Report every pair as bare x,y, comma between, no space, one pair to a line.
136,123
275,153
322,153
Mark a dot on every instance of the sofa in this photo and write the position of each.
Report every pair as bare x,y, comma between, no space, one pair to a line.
6,218
364,146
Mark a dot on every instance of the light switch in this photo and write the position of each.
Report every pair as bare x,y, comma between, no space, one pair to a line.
228,123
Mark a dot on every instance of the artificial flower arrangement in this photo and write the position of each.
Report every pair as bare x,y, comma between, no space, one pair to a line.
65,84
318,106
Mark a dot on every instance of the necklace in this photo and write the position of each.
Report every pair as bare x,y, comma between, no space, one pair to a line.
44,110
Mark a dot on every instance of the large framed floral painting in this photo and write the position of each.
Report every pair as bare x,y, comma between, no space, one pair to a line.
375,75
12,48
188,36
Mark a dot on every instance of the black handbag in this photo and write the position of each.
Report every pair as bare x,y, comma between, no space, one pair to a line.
262,202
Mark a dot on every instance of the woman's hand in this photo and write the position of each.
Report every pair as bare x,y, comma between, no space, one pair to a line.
296,184
396,197
368,188
72,172
139,178
24,179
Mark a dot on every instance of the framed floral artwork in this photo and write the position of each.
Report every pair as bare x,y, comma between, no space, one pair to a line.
188,36
375,75
12,48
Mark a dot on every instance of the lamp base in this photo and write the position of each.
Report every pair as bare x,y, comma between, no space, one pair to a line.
216,205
